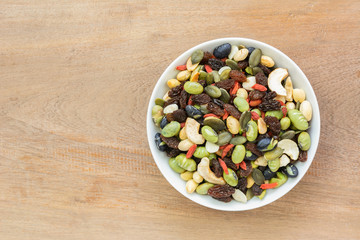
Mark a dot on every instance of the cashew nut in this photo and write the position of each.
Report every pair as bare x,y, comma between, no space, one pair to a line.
204,170
289,89
299,95
182,134
197,177
191,185
306,110
275,79
290,148
192,131
284,160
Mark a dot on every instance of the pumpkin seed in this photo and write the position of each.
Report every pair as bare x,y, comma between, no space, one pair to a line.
224,138
244,119
225,96
225,74
273,154
232,64
213,91
238,140
197,56
231,178
215,123
249,70
255,57
256,70
239,196
249,194
258,176
203,109
159,101
288,135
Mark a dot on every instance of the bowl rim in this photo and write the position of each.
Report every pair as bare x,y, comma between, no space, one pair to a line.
172,65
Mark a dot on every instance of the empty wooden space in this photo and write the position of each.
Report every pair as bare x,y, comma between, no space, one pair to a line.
75,80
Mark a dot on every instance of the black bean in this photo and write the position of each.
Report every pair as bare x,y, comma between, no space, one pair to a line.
222,51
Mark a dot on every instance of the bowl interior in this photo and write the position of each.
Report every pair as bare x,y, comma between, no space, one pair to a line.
299,81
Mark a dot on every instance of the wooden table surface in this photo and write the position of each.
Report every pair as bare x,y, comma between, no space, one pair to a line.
75,80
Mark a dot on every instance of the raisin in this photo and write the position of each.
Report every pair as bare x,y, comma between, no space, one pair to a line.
242,183
303,156
172,142
247,172
221,191
232,110
216,168
219,102
215,64
172,152
252,148
229,163
256,190
202,83
200,99
261,79
256,95
183,99
224,199
175,91
178,115
269,103
237,76
274,124
243,64
266,70
215,109
206,57
225,84
269,96
174,100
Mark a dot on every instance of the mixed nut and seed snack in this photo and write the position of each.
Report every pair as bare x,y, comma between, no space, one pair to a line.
232,124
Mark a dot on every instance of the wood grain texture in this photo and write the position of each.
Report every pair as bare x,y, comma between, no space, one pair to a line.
75,79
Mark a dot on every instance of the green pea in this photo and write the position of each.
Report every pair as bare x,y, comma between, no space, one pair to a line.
304,141
171,129
274,165
249,194
244,120
209,134
157,114
298,119
280,179
225,96
238,140
174,166
241,104
213,91
215,123
225,74
278,114
224,138
238,154
201,152
232,64
273,154
258,176
203,188
159,101
252,131
285,123
212,156
231,178
262,195
257,111
203,75
193,87
185,163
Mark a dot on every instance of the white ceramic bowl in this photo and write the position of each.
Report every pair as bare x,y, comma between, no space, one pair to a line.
299,81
